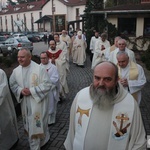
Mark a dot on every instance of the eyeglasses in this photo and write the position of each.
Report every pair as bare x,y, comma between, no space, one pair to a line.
43,57
121,44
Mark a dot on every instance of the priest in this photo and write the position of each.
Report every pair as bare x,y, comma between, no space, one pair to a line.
105,116
58,57
30,84
8,121
108,50
66,38
131,75
79,50
122,46
100,47
54,92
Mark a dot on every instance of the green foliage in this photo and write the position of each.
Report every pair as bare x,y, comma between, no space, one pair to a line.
146,58
97,22
36,59
91,21
109,3
7,61
14,56
10,2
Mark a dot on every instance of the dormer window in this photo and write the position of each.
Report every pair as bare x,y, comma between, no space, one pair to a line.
4,10
29,6
14,8
17,8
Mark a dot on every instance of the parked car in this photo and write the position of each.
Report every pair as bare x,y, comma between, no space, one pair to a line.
15,44
2,39
33,37
19,35
41,35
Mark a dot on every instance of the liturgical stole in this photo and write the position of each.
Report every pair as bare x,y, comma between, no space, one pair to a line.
133,75
120,123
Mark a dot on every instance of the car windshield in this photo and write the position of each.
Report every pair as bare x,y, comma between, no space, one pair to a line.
22,40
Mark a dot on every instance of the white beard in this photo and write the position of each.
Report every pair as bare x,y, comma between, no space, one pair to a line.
104,100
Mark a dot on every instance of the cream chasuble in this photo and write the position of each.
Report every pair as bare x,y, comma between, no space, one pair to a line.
34,107
113,55
135,74
115,128
79,51
120,124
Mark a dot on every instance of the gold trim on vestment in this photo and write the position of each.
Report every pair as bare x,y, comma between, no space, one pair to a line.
133,75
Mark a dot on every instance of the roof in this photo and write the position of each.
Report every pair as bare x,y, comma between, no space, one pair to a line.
46,17
73,2
129,8
37,5
25,7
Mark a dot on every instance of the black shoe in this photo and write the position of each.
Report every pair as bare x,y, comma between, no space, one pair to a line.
14,145
62,99
82,66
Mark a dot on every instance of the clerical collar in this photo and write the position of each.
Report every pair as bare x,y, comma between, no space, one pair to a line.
26,67
96,37
126,66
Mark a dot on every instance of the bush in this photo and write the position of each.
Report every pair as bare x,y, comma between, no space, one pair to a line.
7,61
36,59
146,58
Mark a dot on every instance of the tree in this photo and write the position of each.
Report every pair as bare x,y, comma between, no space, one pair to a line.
10,2
110,3
91,22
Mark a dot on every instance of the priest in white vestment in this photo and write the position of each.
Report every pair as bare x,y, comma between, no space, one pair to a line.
105,116
58,57
8,122
131,75
93,41
100,47
108,50
30,84
79,50
54,92
66,38
121,47
61,45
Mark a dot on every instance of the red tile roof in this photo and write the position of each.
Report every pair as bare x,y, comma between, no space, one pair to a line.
38,6
22,8
73,2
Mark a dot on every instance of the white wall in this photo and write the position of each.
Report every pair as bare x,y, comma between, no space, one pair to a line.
60,8
139,26
113,21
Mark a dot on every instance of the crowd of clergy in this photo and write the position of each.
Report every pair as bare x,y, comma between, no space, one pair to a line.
40,87
129,71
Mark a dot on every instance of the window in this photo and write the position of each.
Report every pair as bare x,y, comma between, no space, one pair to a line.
127,26
77,14
40,14
146,26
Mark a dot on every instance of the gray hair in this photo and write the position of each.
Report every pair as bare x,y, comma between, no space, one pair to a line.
27,50
122,53
122,40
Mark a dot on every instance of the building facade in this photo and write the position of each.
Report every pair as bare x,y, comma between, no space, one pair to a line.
51,15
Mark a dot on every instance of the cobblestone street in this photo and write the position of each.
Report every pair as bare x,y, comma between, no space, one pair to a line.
78,78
